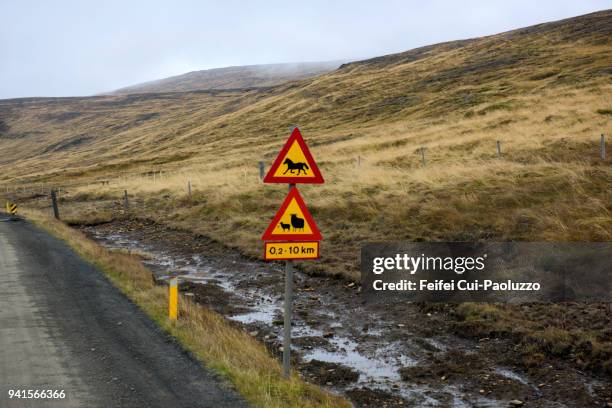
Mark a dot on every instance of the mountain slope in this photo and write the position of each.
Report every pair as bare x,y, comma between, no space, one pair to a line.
543,91
250,76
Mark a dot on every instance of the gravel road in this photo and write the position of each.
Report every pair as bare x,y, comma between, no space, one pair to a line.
63,326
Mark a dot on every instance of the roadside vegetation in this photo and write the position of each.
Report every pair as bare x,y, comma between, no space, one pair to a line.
548,185
577,332
218,344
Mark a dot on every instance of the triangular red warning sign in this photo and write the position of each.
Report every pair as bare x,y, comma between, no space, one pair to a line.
292,221
294,163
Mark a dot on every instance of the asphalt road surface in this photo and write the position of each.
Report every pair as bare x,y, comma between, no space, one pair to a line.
63,326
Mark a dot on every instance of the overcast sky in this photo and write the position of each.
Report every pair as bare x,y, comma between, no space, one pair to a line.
65,48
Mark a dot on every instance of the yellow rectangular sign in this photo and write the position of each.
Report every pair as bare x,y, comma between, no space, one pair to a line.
274,251
11,208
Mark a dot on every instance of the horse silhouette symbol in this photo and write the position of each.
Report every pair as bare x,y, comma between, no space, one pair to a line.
291,166
297,223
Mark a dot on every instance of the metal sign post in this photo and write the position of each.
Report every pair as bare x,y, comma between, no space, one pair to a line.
288,313
288,316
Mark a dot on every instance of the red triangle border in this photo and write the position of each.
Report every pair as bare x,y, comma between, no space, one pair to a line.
269,234
296,135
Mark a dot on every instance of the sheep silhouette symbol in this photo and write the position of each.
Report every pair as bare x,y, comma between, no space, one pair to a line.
297,223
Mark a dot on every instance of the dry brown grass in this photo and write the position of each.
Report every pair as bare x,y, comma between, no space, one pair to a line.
541,91
573,331
546,186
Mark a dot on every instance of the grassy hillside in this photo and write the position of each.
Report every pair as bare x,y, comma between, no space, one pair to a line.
544,91
250,76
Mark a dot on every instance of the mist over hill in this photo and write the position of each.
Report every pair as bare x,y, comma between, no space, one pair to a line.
238,77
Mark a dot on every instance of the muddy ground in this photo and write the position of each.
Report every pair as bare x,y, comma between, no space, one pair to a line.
376,355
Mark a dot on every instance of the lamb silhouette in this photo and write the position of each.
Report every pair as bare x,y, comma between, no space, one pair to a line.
299,166
285,227
297,223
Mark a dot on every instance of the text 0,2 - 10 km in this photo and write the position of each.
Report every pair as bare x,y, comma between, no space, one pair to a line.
291,250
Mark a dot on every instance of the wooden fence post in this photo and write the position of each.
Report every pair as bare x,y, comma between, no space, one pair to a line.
261,170
602,147
126,202
54,203
498,148
423,156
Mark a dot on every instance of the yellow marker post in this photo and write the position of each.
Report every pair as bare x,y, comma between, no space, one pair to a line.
173,299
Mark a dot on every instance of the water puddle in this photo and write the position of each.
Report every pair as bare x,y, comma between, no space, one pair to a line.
372,369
